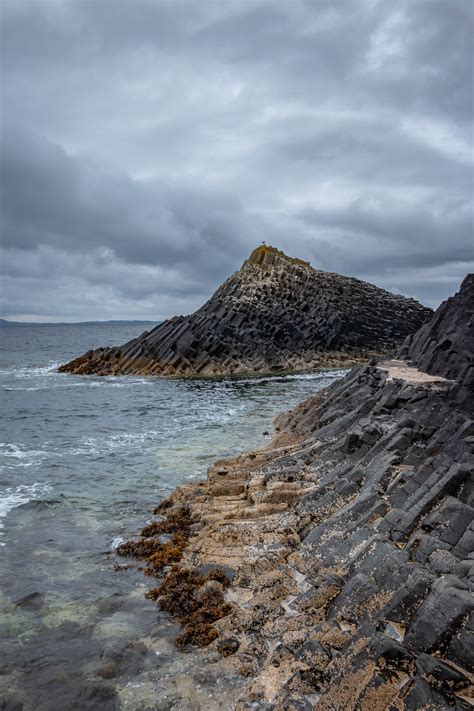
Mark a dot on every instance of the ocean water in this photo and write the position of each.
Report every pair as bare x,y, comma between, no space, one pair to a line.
83,461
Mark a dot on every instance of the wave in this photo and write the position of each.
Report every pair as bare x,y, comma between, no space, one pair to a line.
19,455
313,375
50,386
68,381
31,371
101,445
65,381
12,497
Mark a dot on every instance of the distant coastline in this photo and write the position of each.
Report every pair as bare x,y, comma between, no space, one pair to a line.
6,322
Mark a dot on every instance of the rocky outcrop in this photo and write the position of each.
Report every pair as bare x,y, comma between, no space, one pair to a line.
275,314
445,344
346,546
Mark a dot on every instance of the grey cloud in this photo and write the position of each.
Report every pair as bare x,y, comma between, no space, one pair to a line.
417,236
50,198
148,145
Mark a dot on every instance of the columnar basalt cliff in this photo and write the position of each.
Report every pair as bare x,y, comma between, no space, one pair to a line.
276,313
342,554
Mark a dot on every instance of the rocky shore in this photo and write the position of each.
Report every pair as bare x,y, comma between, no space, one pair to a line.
275,314
334,568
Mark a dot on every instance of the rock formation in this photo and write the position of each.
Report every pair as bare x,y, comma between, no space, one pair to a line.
347,543
275,314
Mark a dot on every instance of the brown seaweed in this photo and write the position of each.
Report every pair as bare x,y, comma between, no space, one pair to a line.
194,598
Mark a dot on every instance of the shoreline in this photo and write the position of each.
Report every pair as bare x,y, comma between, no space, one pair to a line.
255,518
336,361
333,569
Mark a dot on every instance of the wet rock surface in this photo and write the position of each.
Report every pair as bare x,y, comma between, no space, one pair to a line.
347,543
275,314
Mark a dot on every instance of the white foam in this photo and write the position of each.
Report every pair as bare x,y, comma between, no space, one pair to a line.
30,371
100,445
11,498
116,542
18,455
50,386
314,375
63,381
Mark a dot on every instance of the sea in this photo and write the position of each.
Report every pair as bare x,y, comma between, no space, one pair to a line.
83,462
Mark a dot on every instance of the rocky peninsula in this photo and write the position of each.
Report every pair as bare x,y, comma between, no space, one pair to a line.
276,314
334,568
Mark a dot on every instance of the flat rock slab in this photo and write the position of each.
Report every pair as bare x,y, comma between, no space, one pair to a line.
400,370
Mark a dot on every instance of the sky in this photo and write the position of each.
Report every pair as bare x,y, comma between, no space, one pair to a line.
147,146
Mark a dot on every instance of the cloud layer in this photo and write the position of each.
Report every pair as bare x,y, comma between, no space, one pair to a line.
148,146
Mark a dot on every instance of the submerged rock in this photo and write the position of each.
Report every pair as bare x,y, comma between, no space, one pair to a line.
275,314
350,537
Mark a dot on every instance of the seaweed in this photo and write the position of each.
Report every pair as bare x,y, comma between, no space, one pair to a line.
175,521
195,599
152,529
137,549
163,506
167,553
219,575
176,592
159,555
228,646
181,594
211,607
200,635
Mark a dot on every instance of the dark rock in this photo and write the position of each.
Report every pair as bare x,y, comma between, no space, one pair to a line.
461,649
9,703
441,675
421,695
128,659
444,345
394,653
276,313
97,696
352,442
438,617
33,601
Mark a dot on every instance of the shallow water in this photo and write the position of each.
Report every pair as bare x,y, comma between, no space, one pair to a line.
83,461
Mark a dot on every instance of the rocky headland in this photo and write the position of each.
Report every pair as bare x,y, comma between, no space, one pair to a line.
334,568
275,314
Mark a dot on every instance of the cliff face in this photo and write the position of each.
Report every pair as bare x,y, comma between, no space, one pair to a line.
276,313
445,344
348,541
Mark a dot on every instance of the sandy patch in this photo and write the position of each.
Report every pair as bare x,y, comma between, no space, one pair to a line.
399,370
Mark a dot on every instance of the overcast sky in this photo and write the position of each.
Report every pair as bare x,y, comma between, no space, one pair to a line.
149,145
